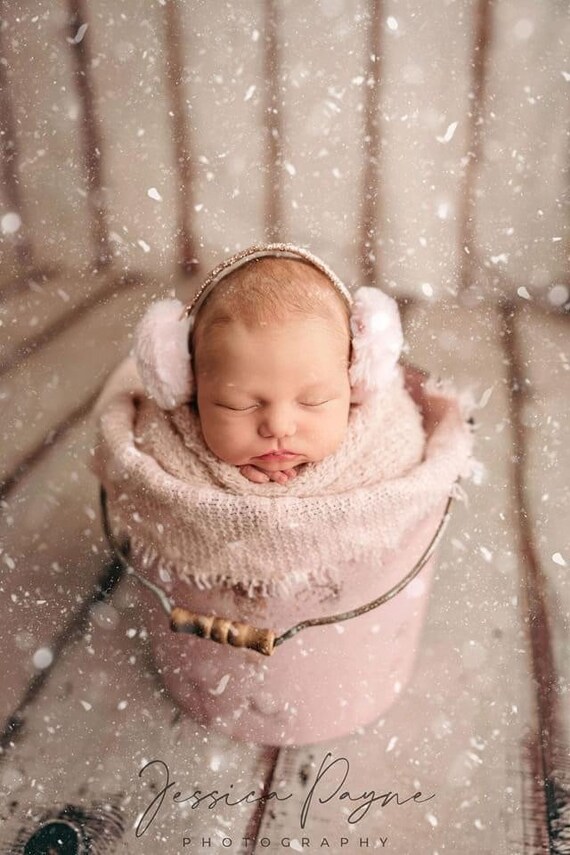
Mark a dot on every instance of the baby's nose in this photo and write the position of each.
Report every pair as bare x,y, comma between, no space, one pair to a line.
277,422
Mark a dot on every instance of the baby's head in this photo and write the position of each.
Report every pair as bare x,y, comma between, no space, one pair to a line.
271,351
280,350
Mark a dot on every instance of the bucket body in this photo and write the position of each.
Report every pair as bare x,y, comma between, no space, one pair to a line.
323,682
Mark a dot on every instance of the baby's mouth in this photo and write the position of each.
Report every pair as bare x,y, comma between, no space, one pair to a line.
277,455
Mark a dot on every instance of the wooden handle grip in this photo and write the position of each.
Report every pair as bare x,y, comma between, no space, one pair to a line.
223,631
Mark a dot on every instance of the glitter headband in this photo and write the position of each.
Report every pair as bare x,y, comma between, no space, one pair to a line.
269,250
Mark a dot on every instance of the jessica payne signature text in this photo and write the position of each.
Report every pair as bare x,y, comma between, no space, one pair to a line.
328,784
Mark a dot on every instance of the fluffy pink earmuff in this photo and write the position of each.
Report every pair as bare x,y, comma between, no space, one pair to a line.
161,338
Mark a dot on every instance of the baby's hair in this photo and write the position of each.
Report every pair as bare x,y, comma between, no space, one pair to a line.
267,290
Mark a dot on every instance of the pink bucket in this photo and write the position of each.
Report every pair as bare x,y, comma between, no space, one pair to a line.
320,683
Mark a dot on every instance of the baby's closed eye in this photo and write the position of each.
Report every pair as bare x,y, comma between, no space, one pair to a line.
237,409
254,406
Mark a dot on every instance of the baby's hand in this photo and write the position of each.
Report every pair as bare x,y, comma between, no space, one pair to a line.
258,476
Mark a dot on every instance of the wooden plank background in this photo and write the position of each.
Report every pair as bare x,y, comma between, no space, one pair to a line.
421,148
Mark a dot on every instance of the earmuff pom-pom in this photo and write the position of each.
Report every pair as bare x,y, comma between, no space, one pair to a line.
161,354
377,342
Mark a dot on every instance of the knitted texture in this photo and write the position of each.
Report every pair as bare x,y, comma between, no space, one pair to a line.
189,515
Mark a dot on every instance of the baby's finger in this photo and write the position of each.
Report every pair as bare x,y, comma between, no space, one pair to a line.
279,477
254,474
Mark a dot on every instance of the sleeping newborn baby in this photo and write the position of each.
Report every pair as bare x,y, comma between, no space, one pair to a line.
264,436
271,359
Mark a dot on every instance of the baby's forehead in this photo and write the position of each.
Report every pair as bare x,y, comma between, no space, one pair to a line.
283,332
310,348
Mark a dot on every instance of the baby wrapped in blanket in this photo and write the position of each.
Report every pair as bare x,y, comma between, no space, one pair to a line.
263,438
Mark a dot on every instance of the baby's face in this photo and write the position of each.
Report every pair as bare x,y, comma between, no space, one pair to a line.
277,387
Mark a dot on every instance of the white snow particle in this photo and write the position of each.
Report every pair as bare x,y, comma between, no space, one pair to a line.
522,292
249,93
143,245
86,705
443,210
448,135
502,257
558,559
484,399
486,553
391,744
215,762
122,705
431,819
10,223
392,23
558,295
221,687
153,193
78,37
42,658
290,168
427,289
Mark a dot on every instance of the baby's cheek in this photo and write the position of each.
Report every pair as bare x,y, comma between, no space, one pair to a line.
232,442
335,431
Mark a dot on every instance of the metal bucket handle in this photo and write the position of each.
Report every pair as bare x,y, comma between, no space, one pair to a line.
238,634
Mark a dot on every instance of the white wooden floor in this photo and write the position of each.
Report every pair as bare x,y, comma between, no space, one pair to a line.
484,723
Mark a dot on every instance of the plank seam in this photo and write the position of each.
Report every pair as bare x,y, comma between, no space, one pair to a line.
548,743
273,125
481,45
369,251
188,260
270,755
90,131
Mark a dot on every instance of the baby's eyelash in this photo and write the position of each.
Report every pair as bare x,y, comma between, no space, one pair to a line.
237,409
253,406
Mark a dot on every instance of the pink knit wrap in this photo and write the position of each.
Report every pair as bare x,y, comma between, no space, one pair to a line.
191,516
